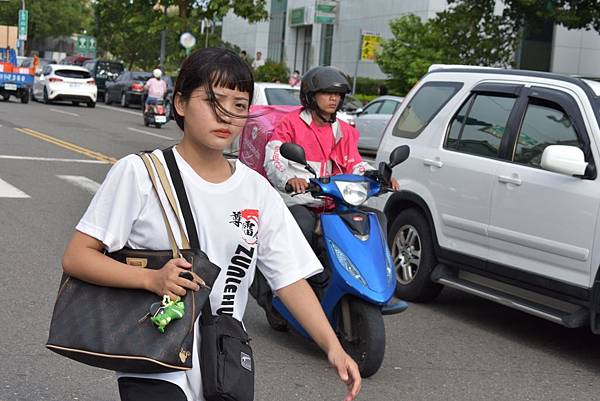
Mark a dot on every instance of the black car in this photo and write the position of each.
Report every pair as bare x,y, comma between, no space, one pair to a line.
103,71
127,89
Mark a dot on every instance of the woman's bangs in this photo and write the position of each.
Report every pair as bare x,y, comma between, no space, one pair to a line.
234,77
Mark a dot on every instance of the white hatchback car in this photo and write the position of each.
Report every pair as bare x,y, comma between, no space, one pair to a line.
65,83
500,197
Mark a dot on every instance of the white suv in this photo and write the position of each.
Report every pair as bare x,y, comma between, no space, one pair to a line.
500,196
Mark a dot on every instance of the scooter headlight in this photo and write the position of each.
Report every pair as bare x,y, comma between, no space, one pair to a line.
354,193
347,263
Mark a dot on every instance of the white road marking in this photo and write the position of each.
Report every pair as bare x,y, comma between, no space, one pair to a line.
82,182
8,191
141,131
51,159
139,113
65,112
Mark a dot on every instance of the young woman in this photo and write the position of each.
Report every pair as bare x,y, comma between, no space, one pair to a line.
233,207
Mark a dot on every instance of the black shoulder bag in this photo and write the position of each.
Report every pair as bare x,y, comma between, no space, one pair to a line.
226,359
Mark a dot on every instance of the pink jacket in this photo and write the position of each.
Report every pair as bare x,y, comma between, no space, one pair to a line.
298,127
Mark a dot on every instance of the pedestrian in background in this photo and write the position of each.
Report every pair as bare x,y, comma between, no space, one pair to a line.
258,61
244,56
295,79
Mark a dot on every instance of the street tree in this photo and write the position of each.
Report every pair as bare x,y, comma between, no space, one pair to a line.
572,14
466,33
130,29
60,18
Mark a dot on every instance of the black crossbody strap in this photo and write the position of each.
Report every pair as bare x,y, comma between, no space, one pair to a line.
182,197
207,316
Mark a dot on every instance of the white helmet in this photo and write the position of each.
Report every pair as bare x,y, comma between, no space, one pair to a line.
157,73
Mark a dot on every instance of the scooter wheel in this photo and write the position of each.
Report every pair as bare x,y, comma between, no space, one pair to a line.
366,341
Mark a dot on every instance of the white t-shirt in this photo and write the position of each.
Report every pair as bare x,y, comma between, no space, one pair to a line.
258,63
242,223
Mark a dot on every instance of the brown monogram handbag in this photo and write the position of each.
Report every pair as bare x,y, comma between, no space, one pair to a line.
109,327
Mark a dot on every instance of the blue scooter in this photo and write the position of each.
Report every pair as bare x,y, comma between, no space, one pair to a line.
357,260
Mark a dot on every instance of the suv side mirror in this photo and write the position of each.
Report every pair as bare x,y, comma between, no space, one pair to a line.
568,160
358,111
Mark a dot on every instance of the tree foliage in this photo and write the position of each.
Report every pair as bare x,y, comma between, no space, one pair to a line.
464,34
49,19
572,14
272,72
130,29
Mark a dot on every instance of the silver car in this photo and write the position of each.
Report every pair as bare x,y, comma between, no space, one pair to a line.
370,121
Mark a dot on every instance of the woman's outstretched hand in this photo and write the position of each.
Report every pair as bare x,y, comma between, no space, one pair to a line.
347,370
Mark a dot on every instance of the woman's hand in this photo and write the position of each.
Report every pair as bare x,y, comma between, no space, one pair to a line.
395,184
166,281
347,370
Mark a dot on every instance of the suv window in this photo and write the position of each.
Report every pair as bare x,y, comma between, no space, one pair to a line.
545,123
423,107
479,125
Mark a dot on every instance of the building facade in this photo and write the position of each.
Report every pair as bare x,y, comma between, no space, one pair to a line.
291,35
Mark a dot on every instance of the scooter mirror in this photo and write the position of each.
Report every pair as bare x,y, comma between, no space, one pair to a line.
399,155
293,152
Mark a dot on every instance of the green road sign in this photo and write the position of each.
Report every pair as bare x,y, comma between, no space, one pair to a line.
297,16
85,44
325,11
23,14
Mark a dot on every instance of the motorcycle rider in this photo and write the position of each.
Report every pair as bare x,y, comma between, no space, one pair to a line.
330,146
156,88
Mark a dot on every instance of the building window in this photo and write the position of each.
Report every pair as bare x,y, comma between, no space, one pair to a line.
278,17
326,44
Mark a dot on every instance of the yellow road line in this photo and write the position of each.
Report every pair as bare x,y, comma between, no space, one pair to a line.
67,145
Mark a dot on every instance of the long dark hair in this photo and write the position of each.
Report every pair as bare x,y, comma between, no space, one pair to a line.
210,67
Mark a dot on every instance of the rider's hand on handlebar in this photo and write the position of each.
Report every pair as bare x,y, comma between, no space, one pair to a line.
394,184
299,185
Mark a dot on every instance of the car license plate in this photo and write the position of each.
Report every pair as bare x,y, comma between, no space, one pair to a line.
160,119
10,87
73,85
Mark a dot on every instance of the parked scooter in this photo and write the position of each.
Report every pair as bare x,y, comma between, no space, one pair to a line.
156,114
359,269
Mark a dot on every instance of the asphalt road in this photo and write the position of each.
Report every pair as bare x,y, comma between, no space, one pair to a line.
456,348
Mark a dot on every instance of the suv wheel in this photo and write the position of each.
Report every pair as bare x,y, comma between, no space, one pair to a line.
412,249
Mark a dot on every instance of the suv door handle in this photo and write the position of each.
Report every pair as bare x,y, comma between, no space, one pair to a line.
434,163
510,180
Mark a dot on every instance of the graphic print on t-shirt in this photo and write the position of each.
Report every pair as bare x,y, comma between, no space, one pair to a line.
237,269
247,219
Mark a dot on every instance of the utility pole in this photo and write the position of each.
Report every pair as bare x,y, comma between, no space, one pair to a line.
163,40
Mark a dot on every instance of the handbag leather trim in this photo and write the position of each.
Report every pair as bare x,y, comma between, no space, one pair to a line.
138,262
142,358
